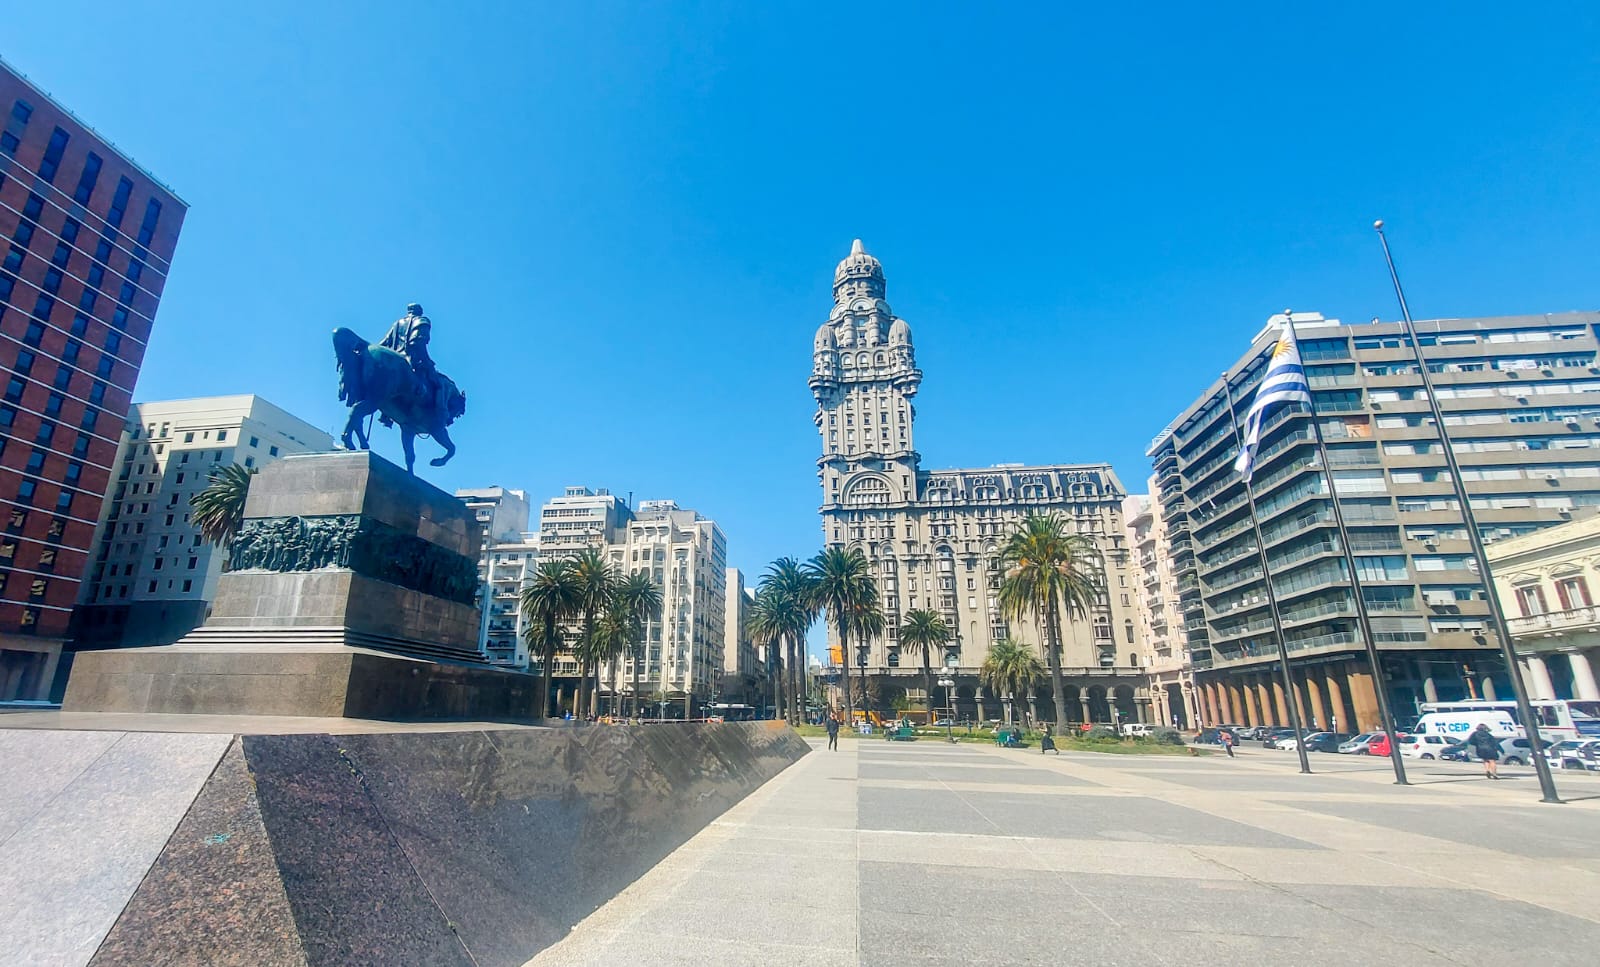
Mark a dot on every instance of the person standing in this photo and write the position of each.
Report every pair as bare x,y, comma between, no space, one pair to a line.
832,725
1227,742
1487,748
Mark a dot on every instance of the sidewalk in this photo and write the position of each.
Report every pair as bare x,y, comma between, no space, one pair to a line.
922,853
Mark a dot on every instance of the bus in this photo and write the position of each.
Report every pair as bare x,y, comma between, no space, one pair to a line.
725,712
1558,718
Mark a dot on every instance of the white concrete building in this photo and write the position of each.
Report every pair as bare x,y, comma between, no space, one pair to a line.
685,554
152,576
509,555
743,674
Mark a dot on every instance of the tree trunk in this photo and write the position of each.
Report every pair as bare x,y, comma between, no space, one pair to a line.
546,675
780,689
637,661
927,685
797,671
1058,687
844,663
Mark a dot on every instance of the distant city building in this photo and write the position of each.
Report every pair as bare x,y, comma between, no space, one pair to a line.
744,679
1160,628
1548,581
685,555
88,242
509,556
153,576
1521,397
578,519
930,536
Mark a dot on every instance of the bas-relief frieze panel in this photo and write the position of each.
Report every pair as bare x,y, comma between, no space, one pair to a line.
360,544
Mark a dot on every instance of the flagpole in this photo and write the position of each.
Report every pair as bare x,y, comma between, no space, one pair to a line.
1497,616
1363,618
1291,696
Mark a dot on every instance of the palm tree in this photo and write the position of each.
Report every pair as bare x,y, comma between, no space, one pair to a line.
840,580
219,508
766,624
868,625
924,631
639,601
793,594
1010,669
1047,572
606,643
549,600
597,583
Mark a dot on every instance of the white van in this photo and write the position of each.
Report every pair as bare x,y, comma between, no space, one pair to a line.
1458,725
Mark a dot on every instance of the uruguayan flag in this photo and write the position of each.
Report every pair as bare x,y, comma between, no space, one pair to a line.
1285,382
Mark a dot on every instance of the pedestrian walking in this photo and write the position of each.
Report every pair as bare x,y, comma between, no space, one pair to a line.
1487,748
832,725
1226,738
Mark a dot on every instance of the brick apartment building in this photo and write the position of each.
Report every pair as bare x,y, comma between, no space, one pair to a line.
87,238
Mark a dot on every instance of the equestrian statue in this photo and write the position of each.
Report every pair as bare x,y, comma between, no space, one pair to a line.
396,379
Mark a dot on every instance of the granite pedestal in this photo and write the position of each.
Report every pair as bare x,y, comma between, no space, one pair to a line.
349,591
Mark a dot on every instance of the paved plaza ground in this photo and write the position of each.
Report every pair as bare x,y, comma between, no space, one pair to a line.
928,853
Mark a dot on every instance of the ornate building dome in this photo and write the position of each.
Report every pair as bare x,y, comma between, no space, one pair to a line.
859,274
826,341
900,333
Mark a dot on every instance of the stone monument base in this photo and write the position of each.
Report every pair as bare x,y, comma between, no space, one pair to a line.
313,673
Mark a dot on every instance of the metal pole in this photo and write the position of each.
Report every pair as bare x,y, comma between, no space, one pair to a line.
1291,697
1363,619
1497,616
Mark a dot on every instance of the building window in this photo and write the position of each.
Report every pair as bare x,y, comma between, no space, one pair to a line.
25,491
1531,600
86,181
1573,593
187,585
52,155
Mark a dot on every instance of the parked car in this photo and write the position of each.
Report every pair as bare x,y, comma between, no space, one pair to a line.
1457,751
1515,751
1213,736
1290,743
1423,746
1243,731
1380,743
1575,754
1359,745
1269,736
1326,741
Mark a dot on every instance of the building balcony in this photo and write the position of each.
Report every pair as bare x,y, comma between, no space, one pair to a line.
1555,622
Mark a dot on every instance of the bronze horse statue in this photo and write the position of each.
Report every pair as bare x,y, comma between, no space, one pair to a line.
376,379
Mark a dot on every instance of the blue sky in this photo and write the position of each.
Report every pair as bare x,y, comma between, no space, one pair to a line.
623,218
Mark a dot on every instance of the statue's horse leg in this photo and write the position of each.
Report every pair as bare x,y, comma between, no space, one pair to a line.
408,442
442,436
354,432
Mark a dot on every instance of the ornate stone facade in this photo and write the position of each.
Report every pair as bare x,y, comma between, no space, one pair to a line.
931,535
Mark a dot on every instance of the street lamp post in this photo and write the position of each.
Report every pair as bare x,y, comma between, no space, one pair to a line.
949,685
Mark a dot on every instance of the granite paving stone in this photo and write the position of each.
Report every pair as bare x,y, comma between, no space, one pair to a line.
68,871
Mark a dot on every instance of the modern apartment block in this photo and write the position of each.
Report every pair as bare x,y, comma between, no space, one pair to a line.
153,576
507,559
87,238
1521,398
686,556
1160,627
930,536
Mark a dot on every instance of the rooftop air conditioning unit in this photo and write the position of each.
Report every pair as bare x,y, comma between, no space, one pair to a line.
1512,374
1573,424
